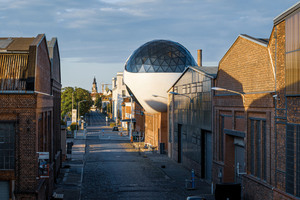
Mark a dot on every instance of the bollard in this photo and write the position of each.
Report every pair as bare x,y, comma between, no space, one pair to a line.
193,179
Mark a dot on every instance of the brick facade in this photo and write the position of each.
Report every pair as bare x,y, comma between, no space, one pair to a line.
269,114
243,128
156,129
35,113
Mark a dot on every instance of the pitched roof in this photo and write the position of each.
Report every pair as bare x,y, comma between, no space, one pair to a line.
286,13
51,45
261,41
15,44
211,71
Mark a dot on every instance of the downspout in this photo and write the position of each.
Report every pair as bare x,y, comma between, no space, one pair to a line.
275,56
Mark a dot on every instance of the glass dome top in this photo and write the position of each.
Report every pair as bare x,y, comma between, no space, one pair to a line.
160,56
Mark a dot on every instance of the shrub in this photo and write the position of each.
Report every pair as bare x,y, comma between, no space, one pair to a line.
112,124
73,126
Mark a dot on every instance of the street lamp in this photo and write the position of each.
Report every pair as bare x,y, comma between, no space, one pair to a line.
227,90
175,93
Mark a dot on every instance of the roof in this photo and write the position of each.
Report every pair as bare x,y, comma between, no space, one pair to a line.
261,41
51,45
211,71
286,13
15,44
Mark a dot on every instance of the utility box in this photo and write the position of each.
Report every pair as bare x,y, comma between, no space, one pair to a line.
69,147
228,191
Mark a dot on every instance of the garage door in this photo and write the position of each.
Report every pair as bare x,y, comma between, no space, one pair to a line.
4,190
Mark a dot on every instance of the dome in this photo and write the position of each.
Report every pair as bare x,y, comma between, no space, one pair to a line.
152,69
159,56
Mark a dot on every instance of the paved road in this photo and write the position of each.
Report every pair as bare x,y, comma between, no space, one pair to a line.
114,170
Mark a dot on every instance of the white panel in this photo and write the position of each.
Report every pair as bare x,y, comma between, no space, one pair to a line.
145,85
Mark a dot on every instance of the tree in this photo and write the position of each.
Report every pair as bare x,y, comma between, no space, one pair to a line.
66,101
98,101
78,94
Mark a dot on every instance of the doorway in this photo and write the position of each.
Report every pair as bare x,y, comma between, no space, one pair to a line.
206,155
239,162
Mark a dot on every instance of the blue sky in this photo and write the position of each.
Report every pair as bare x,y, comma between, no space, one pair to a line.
97,36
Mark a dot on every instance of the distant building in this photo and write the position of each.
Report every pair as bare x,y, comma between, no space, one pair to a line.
94,94
30,151
94,90
118,93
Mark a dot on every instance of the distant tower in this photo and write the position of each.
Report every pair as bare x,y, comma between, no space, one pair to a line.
94,89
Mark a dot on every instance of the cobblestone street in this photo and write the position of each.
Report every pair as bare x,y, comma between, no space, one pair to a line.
105,165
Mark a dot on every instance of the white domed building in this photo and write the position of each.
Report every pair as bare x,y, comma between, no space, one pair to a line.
149,73
152,69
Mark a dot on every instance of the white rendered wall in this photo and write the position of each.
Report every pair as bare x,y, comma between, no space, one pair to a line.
145,85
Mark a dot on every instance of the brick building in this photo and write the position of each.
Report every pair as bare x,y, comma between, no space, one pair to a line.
285,50
29,117
260,126
243,123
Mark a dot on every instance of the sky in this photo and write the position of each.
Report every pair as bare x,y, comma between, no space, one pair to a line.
96,37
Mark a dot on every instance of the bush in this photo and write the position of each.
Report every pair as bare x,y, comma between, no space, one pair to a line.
73,126
112,124
62,122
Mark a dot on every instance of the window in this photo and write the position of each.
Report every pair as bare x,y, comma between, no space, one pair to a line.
176,89
199,87
184,89
7,147
188,88
257,148
194,88
123,93
293,159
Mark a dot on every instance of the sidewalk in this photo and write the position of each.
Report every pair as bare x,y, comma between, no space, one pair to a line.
71,173
176,172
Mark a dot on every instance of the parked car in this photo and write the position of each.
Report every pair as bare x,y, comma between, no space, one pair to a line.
115,128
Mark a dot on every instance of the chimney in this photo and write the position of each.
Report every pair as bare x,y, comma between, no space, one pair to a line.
199,59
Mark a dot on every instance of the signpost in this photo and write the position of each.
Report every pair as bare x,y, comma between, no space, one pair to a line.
74,115
43,162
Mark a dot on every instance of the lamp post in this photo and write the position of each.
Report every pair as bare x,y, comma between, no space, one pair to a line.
227,90
175,93
78,106
130,133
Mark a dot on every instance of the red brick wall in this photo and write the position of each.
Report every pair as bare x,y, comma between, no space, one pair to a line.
246,67
156,129
43,68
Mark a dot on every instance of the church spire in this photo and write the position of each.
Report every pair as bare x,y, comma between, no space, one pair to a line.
94,88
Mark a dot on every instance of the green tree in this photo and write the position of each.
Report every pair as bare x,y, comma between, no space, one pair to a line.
66,101
78,94
98,101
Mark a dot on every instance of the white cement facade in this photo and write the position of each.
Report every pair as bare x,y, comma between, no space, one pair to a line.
150,89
